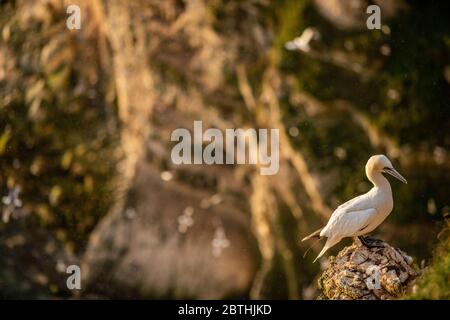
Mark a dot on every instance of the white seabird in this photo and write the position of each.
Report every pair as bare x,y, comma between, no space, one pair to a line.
303,42
364,213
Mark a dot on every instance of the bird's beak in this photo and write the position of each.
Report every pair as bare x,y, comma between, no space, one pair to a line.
395,174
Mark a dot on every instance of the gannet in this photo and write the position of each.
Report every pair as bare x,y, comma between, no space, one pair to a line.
303,42
362,214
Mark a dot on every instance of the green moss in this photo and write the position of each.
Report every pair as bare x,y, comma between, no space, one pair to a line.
435,282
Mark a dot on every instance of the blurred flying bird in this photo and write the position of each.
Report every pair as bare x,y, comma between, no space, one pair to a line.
364,213
303,42
12,202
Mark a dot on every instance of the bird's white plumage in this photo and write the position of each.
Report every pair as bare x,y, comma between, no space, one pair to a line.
364,213
348,223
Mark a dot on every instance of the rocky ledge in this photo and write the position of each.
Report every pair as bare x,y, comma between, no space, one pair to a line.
358,272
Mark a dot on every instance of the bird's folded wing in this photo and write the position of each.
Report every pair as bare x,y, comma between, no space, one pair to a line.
348,223
358,203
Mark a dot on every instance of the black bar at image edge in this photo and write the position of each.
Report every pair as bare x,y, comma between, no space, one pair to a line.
209,309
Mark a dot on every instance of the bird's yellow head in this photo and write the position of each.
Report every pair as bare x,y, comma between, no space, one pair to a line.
381,164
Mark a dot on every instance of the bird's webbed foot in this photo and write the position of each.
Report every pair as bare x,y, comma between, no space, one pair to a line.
371,242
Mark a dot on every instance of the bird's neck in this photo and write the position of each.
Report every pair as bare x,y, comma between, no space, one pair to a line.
378,180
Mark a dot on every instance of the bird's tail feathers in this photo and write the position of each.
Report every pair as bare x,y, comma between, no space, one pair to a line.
330,242
314,243
315,234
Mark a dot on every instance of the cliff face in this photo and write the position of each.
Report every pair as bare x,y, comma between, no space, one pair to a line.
86,117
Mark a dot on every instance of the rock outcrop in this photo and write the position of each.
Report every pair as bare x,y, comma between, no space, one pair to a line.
358,272
168,243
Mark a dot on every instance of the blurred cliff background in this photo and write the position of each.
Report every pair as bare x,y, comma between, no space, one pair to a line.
85,123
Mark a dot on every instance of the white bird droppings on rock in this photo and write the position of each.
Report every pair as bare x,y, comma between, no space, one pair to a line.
386,273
